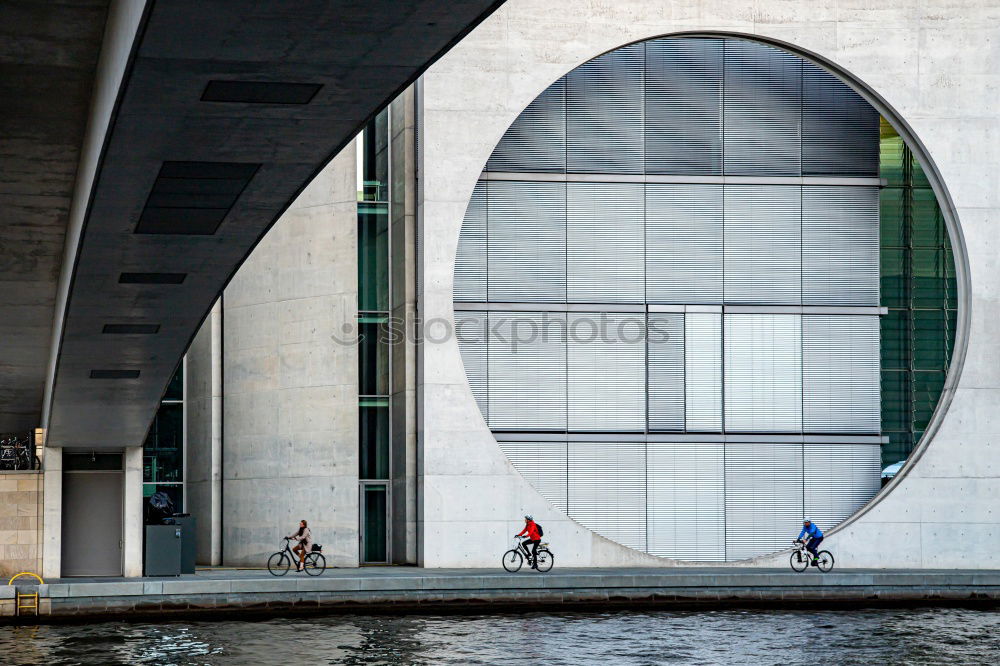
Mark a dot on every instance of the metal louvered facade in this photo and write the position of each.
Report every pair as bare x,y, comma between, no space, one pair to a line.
840,246
527,242
840,374
763,498
536,141
665,371
604,113
544,465
606,372
685,514
470,258
839,480
527,349
471,333
683,130
684,242
763,368
607,490
604,243
840,134
717,198
762,107
763,226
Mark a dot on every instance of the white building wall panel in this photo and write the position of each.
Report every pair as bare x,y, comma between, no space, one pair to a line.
839,480
543,465
703,371
840,374
665,344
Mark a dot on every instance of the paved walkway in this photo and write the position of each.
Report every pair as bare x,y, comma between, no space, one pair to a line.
378,588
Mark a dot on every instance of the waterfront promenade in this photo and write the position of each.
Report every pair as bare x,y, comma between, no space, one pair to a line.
410,588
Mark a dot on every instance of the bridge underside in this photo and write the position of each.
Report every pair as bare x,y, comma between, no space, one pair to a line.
226,112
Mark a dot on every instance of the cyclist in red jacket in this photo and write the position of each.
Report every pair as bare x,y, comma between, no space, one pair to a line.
534,538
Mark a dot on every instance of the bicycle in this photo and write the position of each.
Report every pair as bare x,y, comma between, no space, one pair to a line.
801,558
18,453
280,562
514,558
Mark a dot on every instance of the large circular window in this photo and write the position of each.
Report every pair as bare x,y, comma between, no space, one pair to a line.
691,291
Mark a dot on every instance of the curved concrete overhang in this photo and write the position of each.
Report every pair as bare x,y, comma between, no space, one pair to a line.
208,121
48,52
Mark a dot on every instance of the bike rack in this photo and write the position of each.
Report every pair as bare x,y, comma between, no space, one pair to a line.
25,600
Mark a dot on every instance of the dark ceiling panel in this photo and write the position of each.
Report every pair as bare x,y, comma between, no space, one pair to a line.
260,92
131,329
114,374
199,213
152,278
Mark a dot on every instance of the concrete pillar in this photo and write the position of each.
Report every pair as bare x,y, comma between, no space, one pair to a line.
52,513
132,535
203,409
402,212
290,382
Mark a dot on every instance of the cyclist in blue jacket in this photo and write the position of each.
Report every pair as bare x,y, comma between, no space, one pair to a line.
815,538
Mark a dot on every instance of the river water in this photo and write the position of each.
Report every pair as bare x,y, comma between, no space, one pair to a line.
883,636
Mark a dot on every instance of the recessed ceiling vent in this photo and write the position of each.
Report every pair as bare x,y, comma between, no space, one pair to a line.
131,329
151,278
114,374
260,92
193,197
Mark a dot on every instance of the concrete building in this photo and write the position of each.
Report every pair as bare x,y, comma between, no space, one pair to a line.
798,199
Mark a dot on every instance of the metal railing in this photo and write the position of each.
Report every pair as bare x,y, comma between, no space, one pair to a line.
17,451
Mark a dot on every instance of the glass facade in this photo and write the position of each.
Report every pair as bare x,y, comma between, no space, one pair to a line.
919,288
374,354
163,450
708,352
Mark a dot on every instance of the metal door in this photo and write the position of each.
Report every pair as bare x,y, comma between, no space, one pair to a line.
93,503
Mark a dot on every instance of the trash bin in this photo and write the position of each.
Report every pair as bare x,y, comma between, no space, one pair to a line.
163,550
189,544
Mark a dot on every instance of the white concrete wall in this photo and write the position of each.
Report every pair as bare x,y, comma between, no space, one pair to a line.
290,448
932,61
203,446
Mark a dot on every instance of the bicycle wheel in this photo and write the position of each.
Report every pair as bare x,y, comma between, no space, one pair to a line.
799,561
512,561
545,560
278,564
825,562
315,564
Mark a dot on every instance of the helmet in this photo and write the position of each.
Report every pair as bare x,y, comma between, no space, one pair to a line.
528,518
806,520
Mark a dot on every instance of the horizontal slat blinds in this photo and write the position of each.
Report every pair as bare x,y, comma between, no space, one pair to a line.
684,106
703,371
527,371
536,141
839,480
840,130
471,332
543,465
527,242
763,379
470,259
840,373
606,360
840,246
762,110
607,490
763,244
683,243
665,342
605,243
604,113
763,498
685,506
